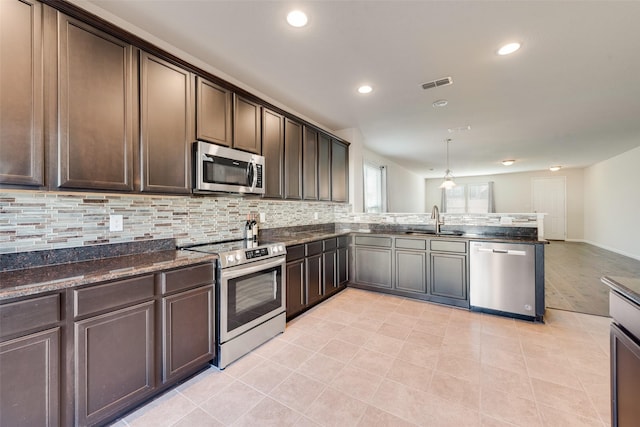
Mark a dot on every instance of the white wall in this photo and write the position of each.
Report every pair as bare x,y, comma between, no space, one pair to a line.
512,192
612,204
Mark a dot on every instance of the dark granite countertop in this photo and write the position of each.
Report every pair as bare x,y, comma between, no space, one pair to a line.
464,236
31,281
290,239
626,286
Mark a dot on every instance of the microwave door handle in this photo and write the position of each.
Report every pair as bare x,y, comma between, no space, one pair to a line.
251,173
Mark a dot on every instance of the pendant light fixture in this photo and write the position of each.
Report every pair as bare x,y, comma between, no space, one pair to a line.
448,177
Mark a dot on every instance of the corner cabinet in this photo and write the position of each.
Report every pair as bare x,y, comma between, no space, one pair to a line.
166,126
96,101
213,113
21,94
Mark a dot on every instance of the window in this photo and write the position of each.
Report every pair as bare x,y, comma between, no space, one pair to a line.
469,198
375,188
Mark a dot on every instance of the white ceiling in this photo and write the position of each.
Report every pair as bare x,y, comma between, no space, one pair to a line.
570,96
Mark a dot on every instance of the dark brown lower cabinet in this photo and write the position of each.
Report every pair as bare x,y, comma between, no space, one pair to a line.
114,365
187,331
30,380
296,295
315,271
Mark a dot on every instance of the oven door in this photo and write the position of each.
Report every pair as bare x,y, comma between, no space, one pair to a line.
250,295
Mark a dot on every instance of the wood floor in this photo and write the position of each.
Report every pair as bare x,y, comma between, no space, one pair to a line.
572,276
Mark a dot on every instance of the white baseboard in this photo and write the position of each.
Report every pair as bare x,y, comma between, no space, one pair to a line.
618,251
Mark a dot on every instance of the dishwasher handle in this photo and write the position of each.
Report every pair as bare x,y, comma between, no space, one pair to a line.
503,251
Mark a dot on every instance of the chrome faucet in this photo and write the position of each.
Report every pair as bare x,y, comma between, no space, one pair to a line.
435,214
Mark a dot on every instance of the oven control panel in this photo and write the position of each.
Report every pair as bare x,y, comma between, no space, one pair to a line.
256,253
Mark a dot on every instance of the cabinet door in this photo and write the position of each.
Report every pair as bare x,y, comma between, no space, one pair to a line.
448,275
166,123
187,331
21,96
30,380
273,152
292,159
313,276
96,108
411,271
373,266
324,167
310,165
329,276
296,298
114,362
342,269
247,127
213,113
339,172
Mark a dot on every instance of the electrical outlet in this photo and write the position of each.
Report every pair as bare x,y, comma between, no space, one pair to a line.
116,223
315,215
263,217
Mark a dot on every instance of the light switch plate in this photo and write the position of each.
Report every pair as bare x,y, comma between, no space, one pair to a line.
263,217
116,223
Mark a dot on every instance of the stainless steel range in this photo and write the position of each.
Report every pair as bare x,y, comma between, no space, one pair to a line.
250,292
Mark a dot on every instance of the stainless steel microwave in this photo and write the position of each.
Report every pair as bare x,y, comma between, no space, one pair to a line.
225,170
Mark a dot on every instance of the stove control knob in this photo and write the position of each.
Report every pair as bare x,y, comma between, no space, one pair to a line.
275,249
230,258
280,248
237,257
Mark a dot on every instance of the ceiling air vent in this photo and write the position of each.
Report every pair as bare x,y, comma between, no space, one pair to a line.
437,83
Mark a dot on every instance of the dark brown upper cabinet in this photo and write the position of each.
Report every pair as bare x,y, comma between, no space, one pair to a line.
339,171
273,152
292,159
324,167
247,125
96,108
213,113
21,96
166,126
310,164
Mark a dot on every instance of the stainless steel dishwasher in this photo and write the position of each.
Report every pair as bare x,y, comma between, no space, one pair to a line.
503,278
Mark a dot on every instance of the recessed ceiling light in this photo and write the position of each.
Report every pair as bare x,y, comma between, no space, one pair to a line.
508,162
555,168
365,89
297,18
440,103
459,129
508,48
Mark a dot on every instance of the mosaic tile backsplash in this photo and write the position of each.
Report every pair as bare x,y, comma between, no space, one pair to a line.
31,220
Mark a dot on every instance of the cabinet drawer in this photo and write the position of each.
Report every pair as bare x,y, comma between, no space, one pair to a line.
110,295
29,314
624,313
329,244
411,244
313,248
184,278
448,246
383,242
295,252
343,241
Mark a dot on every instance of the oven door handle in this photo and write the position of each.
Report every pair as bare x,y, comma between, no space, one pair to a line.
242,270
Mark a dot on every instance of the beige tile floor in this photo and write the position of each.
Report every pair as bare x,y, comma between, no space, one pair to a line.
368,359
